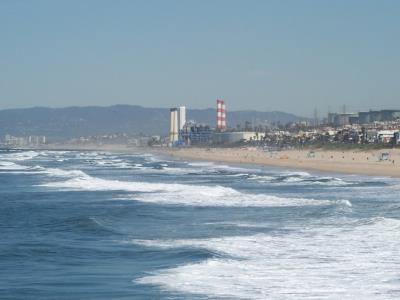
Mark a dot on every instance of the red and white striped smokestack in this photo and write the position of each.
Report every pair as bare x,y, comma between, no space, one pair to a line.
221,115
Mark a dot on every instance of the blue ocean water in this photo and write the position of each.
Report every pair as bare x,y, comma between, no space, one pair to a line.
98,225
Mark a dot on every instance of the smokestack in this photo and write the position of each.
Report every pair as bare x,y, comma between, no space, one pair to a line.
221,115
177,121
181,117
174,130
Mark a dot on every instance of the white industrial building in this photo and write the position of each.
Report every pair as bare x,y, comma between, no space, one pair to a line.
177,121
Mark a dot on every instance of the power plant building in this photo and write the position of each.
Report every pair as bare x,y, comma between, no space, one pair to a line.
177,122
173,131
181,117
196,134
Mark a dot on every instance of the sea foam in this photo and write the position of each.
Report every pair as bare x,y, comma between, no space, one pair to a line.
177,194
19,156
358,261
11,166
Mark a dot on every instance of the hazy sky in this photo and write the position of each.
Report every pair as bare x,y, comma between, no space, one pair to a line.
266,55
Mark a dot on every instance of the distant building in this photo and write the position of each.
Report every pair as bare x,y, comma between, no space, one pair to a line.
331,118
195,134
173,131
181,117
387,136
177,122
378,116
24,141
345,119
234,137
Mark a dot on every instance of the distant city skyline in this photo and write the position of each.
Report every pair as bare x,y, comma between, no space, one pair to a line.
292,56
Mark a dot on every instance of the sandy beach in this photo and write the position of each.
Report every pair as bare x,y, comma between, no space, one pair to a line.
350,162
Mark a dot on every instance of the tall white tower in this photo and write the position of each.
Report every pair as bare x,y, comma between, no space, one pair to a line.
177,121
174,129
181,117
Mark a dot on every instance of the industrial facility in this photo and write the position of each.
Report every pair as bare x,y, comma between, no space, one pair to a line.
187,133
196,134
191,133
177,122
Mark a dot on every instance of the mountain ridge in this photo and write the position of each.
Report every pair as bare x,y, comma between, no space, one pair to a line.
74,121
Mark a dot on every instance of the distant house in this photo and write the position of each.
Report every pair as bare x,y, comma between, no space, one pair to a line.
386,136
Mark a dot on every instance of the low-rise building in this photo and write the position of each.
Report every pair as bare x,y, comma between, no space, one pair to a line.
237,136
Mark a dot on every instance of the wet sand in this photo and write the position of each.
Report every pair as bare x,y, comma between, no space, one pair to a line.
350,162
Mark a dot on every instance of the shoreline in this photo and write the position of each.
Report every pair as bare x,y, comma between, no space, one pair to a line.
347,162
356,162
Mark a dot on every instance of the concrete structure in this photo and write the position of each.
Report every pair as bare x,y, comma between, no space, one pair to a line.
363,117
181,117
342,119
331,118
177,122
195,134
221,115
378,116
234,137
173,128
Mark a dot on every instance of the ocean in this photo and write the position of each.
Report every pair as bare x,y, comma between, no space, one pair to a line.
99,225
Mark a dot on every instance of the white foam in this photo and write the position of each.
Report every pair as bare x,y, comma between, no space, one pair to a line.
97,184
211,165
262,178
19,156
201,164
298,173
292,179
344,202
222,196
350,262
113,163
65,173
11,166
173,193
298,179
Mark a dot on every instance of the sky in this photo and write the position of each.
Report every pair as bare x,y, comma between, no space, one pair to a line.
295,56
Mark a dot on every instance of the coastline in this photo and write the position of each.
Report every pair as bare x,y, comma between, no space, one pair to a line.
346,161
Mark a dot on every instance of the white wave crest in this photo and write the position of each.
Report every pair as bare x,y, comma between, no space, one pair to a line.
299,178
222,196
11,166
174,193
19,156
344,202
355,262
65,173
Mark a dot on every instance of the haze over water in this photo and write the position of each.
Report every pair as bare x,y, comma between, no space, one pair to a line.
96,225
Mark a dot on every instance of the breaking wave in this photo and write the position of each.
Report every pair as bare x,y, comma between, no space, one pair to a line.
11,166
293,265
181,194
18,156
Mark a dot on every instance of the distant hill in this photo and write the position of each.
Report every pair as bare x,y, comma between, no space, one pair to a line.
65,123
